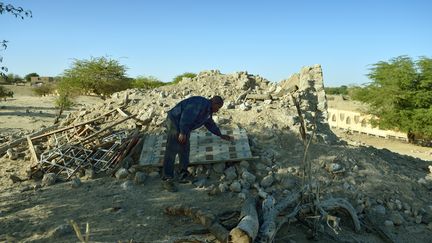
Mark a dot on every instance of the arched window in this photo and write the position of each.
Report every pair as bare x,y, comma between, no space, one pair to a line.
356,119
333,117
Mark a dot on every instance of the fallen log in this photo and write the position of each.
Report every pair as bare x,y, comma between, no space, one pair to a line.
270,211
247,229
206,219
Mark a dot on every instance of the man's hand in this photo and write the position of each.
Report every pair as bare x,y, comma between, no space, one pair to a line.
227,137
182,138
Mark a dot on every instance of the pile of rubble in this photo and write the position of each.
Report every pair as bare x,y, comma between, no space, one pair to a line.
287,128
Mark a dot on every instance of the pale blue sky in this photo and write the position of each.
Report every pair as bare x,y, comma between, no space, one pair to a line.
273,39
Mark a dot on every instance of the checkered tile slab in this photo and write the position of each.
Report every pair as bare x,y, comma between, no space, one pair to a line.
205,148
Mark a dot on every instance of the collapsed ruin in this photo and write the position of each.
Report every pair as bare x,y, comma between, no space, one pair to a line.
299,168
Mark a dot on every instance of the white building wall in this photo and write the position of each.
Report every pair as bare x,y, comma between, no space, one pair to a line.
355,121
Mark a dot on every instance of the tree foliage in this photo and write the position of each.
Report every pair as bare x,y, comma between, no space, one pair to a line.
30,75
400,95
4,93
179,78
143,82
342,90
10,78
101,76
44,89
66,94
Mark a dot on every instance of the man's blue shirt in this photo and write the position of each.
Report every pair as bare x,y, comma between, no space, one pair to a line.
192,113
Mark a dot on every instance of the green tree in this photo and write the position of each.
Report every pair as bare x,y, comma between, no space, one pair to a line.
11,78
18,12
67,92
179,78
28,76
342,90
4,93
150,82
400,95
101,76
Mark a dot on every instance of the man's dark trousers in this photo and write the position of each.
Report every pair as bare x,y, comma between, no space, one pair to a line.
173,147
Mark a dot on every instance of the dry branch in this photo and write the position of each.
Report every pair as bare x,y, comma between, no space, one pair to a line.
340,204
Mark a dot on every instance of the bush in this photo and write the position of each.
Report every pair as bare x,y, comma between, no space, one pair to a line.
179,78
150,82
4,93
44,89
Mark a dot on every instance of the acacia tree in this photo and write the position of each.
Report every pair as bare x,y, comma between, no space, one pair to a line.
18,12
101,76
400,95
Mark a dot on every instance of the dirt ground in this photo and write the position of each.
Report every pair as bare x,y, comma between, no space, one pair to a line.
120,211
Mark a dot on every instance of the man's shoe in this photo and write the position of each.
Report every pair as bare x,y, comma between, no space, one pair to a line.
169,185
186,177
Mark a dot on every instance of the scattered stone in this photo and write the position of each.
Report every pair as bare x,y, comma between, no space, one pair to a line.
223,187
122,173
418,219
245,107
334,167
75,183
90,174
379,209
235,186
248,177
139,178
127,185
218,168
267,181
49,179
230,173
244,164
397,218
388,223
11,154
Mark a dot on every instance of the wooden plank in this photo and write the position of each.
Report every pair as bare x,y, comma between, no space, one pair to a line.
86,140
73,126
32,150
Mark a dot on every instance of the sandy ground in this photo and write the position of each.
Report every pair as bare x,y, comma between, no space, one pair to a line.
26,112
